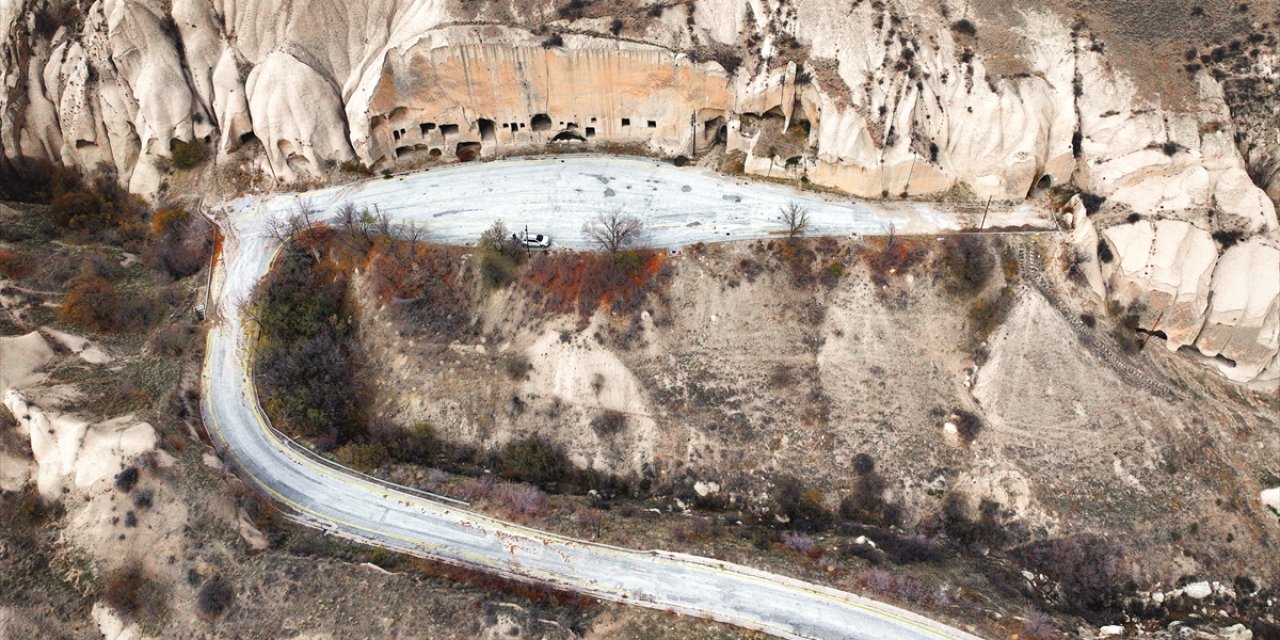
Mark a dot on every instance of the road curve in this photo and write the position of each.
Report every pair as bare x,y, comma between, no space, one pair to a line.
358,508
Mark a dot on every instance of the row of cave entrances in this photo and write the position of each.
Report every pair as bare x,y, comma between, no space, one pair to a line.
714,130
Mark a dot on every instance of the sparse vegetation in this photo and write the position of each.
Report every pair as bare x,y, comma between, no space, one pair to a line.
189,155
134,594
214,598
968,263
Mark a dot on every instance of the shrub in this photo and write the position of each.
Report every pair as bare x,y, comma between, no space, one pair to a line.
986,314
1104,252
500,256
965,26
552,41
92,303
968,262
909,549
521,499
180,243
1092,202
866,504
800,543
562,281
414,445
802,506
533,460
304,358
14,265
968,425
517,366
1227,239
362,456
893,256
214,598
133,594
609,422
422,280
189,155
1088,568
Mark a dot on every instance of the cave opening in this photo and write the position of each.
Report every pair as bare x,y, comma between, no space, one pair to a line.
540,122
448,129
486,129
426,127
569,136
468,151
590,132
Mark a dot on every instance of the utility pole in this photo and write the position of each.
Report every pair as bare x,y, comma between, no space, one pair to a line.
983,224
693,128
527,251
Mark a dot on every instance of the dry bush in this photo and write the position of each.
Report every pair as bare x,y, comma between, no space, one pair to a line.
362,456
891,257
968,425
801,505
181,243
986,314
968,263
15,265
413,445
1088,569
694,529
189,155
535,461
609,422
214,598
305,362
521,499
134,594
587,281
866,504
800,543
127,479
422,280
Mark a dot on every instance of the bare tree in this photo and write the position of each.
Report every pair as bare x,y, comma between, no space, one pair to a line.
413,234
348,218
796,217
286,230
613,230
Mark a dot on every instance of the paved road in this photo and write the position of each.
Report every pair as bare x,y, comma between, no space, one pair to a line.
683,206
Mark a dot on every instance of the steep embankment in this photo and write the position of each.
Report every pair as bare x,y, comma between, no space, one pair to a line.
874,99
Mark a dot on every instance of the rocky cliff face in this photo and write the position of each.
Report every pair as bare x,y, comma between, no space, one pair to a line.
872,98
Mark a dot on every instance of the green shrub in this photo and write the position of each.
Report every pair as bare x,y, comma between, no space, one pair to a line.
362,456
189,155
533,460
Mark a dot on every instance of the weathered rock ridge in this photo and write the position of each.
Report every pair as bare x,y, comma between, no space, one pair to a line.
881,99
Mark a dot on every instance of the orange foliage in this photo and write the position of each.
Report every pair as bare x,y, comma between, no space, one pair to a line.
93,304
168,221
892,258
14,266
588,280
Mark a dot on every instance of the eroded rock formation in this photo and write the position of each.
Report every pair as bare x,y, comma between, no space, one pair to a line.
874,99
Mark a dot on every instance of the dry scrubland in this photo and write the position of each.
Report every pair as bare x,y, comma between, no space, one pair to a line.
166,541
963,404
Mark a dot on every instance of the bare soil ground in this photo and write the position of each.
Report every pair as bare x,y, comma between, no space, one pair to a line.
740,374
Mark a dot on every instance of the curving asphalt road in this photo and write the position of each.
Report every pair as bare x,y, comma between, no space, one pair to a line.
681,206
